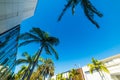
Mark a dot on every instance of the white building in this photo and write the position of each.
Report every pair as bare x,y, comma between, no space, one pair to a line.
63,75
95,75
113,65
66,75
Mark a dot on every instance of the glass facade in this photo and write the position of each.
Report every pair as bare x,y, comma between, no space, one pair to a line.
8,52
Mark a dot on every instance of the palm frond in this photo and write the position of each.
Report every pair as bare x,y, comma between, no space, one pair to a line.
89,65
94,61
23,68
27,36
97,65
54,51
38,32
90,10
19,61
103,68
94,10
46,35
27,42
73,9
41,59
50,62
89,15
47,50
74,4
25,54
91,68
64,10
53,40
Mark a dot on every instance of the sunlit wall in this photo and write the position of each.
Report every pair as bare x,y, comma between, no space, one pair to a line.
13,12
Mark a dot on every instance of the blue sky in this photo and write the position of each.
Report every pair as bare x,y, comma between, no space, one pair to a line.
80,40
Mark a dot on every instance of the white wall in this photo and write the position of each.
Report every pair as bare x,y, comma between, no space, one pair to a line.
12,12
113,65
95,75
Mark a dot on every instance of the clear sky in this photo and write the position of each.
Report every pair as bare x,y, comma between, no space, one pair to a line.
79,39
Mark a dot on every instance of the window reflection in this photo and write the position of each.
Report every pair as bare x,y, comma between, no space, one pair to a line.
8,51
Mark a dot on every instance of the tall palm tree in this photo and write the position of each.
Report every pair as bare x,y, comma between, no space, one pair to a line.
39,72
36,74
51,72
42,38
48,68
89,9
98,66
28,60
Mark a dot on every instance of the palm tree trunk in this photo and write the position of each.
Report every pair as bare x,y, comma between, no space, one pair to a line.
70,78
41,73
27,72
100,74
49,76
35,62
44,77
103,75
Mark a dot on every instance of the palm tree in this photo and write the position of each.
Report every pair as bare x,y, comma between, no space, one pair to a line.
73,74
21,72
48,68
51,72
3,71
98,66
7,71
28,60
35,76
59,77
10,76
45,41
39,72
89,10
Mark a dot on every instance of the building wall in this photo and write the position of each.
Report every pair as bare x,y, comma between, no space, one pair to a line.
66,75
113,65
8,51
95,75
12,12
